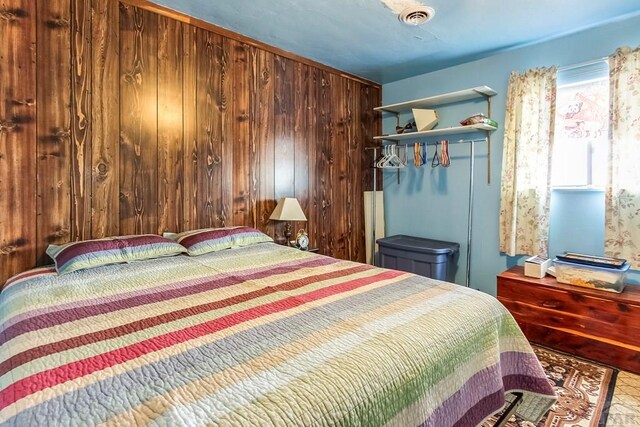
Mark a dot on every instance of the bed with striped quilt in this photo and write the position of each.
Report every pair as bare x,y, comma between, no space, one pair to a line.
257,336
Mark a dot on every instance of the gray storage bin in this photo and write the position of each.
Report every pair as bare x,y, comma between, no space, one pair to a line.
426,257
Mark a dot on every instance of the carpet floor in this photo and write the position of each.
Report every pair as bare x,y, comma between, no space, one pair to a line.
589,394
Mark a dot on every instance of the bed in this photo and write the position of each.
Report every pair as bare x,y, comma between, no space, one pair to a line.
257,335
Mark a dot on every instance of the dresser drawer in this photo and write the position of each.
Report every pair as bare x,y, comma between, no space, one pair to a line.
608,352
595,324
625,315
560,319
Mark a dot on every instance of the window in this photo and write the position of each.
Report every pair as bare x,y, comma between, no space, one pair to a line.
582,126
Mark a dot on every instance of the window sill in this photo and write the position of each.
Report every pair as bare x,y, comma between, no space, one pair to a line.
570,189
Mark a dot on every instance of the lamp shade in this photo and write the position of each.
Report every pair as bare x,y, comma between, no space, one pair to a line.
288,209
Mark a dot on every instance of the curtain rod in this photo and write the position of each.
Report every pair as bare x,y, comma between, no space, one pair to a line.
583,64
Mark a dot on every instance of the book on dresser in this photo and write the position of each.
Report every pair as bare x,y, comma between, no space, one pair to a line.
594,324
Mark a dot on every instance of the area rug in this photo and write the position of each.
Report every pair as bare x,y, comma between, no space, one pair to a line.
584,390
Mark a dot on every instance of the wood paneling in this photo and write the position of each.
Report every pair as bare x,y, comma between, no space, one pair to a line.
313,204
17,137
340,166
105,119
301,143
145,123
226,103
170,131
355,147
209,127
190,127
284,120
241,135
254,140
138,121
324,168
53,100
81,119
266,139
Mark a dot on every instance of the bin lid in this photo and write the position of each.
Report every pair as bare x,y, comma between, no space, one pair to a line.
419,244
623,269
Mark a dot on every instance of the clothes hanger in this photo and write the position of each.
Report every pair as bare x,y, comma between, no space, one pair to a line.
419,154
393,161
445,160
423,153
391,158
435,162
384,157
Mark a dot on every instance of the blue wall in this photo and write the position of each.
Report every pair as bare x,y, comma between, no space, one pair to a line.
433,202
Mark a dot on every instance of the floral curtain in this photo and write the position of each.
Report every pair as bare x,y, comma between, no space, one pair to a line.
526,162
622,196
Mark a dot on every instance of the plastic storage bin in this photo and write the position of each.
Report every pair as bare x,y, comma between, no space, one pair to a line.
426,257
587,276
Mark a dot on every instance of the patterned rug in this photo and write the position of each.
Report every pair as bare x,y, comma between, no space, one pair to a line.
584,390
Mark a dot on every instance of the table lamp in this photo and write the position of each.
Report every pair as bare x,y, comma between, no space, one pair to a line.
288,209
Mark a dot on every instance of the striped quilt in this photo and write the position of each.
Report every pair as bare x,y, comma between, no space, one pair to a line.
257,336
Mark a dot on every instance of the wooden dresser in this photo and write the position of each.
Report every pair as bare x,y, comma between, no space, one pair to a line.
598,325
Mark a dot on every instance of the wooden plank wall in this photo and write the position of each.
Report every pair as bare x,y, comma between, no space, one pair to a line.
117,120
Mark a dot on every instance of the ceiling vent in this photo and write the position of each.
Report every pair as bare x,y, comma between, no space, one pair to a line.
416,15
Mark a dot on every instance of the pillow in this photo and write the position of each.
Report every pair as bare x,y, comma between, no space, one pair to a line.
199,242
113,250
250,236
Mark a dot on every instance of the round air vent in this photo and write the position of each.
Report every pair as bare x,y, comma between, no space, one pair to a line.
416,15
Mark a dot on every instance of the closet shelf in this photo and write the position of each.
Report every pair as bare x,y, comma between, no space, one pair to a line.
446,98
484,92
435,132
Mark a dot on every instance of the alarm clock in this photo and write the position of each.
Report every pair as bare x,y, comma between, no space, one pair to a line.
302,240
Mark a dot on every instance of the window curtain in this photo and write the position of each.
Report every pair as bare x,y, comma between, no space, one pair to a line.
622,195
526,162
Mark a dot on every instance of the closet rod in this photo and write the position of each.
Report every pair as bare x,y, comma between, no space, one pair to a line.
470,201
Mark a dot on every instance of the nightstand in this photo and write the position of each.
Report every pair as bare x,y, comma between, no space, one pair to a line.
307,250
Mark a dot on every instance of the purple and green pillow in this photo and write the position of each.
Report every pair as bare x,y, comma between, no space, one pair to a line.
113,250
199,242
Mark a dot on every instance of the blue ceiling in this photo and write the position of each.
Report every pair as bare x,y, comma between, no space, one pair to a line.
364,37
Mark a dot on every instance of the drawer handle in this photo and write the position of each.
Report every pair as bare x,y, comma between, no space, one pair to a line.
552,304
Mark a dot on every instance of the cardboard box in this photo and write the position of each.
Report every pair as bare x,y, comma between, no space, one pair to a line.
425,119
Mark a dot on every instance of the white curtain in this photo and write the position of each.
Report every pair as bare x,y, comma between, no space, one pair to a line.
526,162
622,197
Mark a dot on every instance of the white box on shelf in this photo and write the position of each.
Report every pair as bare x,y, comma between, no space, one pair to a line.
536,266
425,119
